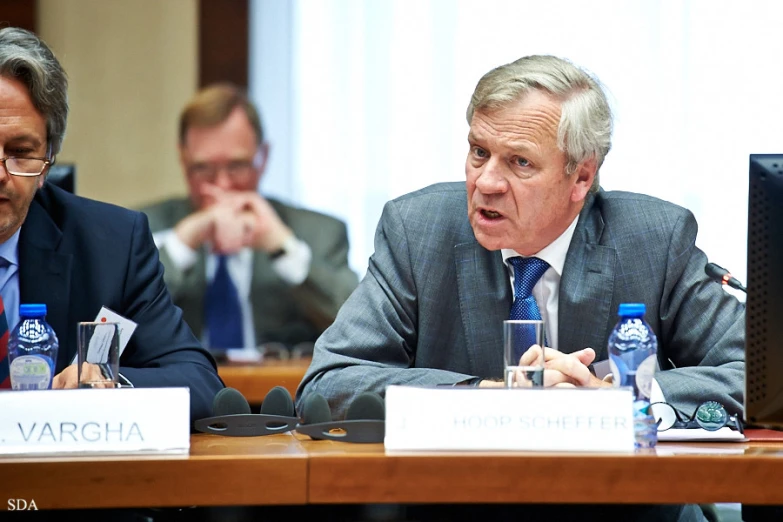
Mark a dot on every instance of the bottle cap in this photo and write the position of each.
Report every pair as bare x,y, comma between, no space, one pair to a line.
32,310
631,310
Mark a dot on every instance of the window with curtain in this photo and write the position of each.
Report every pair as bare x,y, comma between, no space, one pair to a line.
365,100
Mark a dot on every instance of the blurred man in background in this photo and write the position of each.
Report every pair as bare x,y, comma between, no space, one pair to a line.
245,269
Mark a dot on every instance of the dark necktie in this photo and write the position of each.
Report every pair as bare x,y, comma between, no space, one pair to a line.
222,310
527,272
5,378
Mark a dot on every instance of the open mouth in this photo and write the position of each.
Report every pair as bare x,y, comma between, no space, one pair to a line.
490,214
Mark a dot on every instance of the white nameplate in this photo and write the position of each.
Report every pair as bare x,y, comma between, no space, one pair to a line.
89,421
499,419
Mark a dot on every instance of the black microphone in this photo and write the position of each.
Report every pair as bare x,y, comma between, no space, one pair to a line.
723,276
365,420
232,417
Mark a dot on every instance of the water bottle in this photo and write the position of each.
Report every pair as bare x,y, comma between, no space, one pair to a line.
32,350
632,357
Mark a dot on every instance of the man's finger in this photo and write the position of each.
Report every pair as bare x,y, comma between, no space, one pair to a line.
586,356
555,378
531,356
572,368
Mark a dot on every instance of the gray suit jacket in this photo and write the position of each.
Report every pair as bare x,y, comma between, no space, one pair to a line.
431,307
281,312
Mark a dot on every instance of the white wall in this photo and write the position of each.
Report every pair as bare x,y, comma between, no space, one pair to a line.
377,93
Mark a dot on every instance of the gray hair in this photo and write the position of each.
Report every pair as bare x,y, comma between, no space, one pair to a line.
25,57
585,129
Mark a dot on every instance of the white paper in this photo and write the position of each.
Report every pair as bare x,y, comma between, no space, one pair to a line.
689,448
518,419
95,421
126,327
724,434
100,344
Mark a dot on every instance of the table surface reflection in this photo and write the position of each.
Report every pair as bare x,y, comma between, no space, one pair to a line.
292,469
255,380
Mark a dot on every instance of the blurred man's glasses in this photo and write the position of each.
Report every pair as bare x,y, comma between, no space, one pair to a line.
207,172
279,351
710,416
27,167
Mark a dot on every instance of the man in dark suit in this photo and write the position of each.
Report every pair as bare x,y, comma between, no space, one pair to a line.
286,267
77,255
441,281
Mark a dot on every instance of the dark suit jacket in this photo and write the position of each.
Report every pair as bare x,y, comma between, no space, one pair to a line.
431,307
77,255
281,312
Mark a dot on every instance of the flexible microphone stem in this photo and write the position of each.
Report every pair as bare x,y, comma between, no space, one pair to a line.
723,276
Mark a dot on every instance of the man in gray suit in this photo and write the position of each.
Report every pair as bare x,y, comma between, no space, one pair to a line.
286,268
440,283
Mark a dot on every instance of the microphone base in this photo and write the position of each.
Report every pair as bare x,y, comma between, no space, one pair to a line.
246,425
361,431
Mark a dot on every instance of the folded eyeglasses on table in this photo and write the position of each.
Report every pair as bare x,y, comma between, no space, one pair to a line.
710,416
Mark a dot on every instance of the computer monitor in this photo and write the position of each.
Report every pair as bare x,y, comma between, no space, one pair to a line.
764,304
63,175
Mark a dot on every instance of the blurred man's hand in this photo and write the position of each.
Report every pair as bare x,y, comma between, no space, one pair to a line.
245,219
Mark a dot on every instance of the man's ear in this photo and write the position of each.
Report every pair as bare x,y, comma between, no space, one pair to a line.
182,156
583,179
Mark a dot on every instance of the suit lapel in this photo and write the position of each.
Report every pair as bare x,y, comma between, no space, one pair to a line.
195,278
262,276
484,301
586,287
45,276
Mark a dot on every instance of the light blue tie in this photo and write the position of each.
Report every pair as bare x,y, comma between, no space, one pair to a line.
527,272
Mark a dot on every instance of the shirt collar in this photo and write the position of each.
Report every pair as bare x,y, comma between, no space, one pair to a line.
9,250
554,253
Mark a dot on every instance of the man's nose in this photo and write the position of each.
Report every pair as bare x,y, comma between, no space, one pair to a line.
491,178
223,178
4,174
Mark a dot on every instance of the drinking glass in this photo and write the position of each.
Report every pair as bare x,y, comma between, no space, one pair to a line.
523,368
98,356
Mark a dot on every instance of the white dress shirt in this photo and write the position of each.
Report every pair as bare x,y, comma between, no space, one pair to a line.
547,288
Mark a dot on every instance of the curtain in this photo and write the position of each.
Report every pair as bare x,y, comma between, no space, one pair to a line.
365,100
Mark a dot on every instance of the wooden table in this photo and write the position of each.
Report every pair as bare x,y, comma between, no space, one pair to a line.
291,469
219,471
255,380
673,473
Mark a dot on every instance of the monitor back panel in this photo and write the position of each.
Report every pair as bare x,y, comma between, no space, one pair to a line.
764,305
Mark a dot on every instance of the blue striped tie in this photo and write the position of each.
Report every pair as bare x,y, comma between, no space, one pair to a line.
527,272
5,377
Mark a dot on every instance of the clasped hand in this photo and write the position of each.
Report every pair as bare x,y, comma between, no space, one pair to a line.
564,370
69,377
232,221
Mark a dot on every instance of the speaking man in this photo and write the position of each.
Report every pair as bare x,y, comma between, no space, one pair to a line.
532,222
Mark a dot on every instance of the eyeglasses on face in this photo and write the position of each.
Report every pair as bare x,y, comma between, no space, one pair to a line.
237,170
710,415
26,167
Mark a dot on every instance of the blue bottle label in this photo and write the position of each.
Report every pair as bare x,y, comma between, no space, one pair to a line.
31,372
